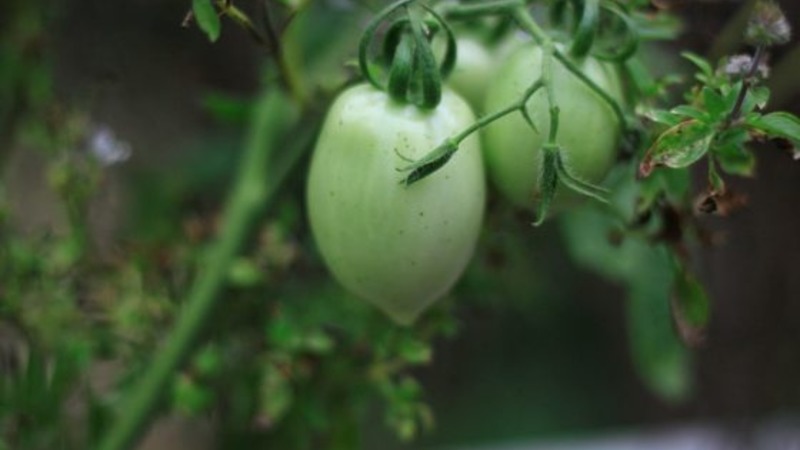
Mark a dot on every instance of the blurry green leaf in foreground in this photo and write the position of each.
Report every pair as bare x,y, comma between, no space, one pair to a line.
660,357
690,308
646,272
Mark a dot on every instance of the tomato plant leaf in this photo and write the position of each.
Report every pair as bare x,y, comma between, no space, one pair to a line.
679,146
207,18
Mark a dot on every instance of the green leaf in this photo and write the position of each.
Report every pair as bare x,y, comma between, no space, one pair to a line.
318,342
189,397
715,181
736,159
715,104
690,112
700,62
586,232
415,351
243,272
678,147
732,153
659,356
207,18
226,108
208,361
690,307
756,98
276,395
778,124
664,117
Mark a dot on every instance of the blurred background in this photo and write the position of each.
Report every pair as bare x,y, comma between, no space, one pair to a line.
543,351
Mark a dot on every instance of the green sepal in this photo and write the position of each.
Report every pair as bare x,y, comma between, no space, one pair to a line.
402,69
430,80
450,52
429,163
368,36
576,184
624,51
548,183
587,29
392,39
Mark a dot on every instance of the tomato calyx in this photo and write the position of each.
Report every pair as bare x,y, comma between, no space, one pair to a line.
414,76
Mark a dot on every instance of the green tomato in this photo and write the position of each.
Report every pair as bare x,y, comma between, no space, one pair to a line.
399,247
476,65
588,131
473,71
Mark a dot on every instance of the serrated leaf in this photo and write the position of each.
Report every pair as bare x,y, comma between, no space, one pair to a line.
207,18
778,124
679,146
690,308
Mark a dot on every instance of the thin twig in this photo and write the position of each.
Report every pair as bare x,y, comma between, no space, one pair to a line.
747,83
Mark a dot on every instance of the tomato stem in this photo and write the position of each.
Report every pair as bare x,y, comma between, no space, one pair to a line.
249,196
746,85
527,23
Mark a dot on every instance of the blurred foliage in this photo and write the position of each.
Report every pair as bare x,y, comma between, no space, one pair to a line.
289,359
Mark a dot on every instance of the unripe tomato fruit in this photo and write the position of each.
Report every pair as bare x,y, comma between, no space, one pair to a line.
473,71
399,247
588,131
476,65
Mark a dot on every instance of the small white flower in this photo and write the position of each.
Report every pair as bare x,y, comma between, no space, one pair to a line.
104,145
739,66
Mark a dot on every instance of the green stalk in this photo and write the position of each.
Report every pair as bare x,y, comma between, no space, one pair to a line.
524,19
273,114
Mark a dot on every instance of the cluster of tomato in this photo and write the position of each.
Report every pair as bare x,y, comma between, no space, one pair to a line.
403,247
